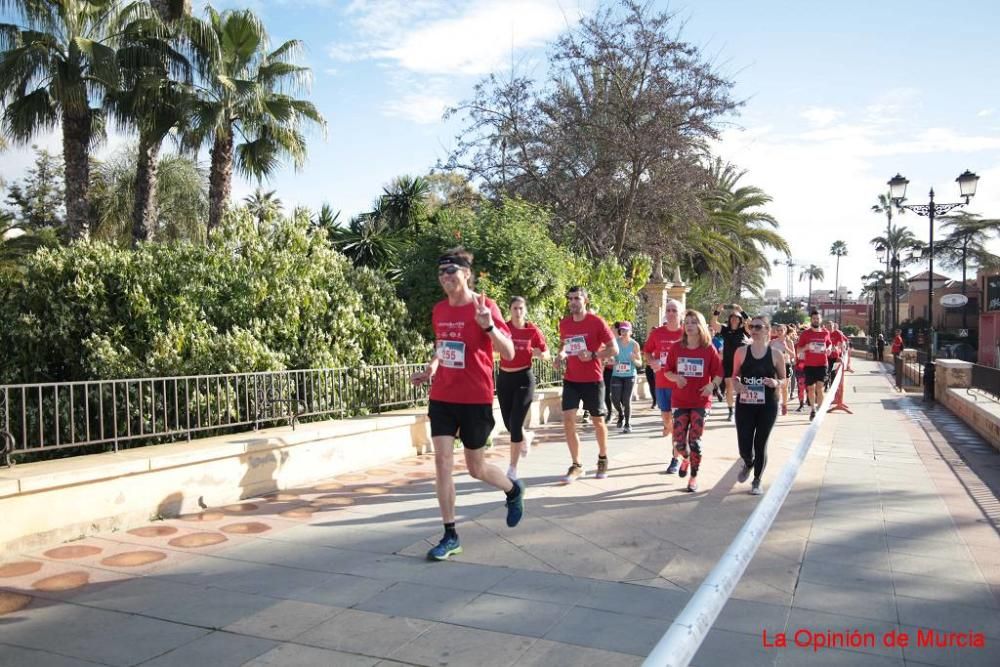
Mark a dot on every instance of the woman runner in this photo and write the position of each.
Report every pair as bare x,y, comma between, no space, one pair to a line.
780,343
516,381
759,370
623,375
695,367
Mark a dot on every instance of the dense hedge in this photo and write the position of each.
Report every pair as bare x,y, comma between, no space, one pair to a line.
250,300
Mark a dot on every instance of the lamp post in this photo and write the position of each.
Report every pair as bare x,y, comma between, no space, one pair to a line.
967,182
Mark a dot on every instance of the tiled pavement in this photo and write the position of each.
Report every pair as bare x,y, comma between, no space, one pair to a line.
891,526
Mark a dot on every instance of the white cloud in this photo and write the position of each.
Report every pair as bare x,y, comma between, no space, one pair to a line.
820,116
984,113
424,109
475,39
825,179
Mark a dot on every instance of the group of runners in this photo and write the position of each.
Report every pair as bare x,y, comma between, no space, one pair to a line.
599,369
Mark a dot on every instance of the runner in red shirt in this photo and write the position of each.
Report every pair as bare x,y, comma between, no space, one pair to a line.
586,343
813,348
696,368
657,351
516,381
467,328
838,350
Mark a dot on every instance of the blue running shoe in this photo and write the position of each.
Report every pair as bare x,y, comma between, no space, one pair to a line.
672,468
515,505
448,546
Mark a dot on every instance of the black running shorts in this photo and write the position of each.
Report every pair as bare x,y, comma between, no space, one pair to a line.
471,422
815,374
591,394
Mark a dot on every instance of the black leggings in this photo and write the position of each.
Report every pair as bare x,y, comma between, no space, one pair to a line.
608,370
753,428
651,383
515,392
621,397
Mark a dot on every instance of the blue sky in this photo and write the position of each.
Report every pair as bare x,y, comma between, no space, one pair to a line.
840,96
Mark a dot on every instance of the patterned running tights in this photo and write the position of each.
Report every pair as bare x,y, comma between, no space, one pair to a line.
689,424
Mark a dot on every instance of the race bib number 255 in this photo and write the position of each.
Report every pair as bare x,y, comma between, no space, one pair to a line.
451,353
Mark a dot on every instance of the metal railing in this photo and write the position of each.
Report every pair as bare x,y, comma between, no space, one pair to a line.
985,380
54,418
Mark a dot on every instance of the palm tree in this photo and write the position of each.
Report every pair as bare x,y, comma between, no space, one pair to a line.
157,90
894,242
246,97
967,237
838,250
369,241
738,233
169,10
56,66
404,203
811,272
265,206
886,205
326,221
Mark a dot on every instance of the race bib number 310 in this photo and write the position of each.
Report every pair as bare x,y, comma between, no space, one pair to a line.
451,353
691,367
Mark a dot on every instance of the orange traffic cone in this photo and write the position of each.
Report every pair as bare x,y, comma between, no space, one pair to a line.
838,400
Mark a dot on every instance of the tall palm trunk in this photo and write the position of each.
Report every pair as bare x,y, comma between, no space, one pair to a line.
220,178
836,289
145,211
76,159
810,297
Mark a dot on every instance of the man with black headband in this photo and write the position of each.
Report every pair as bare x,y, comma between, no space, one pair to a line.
467,328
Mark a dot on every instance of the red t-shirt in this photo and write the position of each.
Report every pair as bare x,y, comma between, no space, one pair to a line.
590,333
464,352
525,340
816,343
837,338
698,366
658,345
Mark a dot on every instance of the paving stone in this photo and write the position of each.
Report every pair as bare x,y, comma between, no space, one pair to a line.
608,631
723,647
284,620
431,603
295,655
15,656
221,649
452,645
515,616
845,601
949,616
989,656
366,633
544,653
544,587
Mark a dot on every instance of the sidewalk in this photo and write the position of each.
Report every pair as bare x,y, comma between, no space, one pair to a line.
891,526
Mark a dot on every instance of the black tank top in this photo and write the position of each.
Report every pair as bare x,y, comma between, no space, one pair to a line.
752,374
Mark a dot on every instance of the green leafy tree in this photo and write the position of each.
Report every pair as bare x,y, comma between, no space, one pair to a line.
404,204
794,316
264,205
38,200
250,95
57,63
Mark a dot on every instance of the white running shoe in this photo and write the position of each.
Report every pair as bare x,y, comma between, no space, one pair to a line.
512,473
526,443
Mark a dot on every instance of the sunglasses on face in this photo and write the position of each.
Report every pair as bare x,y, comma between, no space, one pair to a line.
450,270
757,327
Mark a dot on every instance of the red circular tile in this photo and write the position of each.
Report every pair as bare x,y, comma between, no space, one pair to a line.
352,478
281,497
326,501
329,486
298,512
420,475
412,462
378,472
248,528
12,602
210,515
73,551
153,531
372,490
62,582
240,508
134,558
196,540
20,568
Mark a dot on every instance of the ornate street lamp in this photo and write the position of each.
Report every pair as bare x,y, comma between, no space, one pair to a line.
967,182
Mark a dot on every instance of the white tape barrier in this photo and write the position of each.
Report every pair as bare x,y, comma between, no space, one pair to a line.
681,641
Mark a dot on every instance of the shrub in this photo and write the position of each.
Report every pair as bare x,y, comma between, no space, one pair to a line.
251,300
